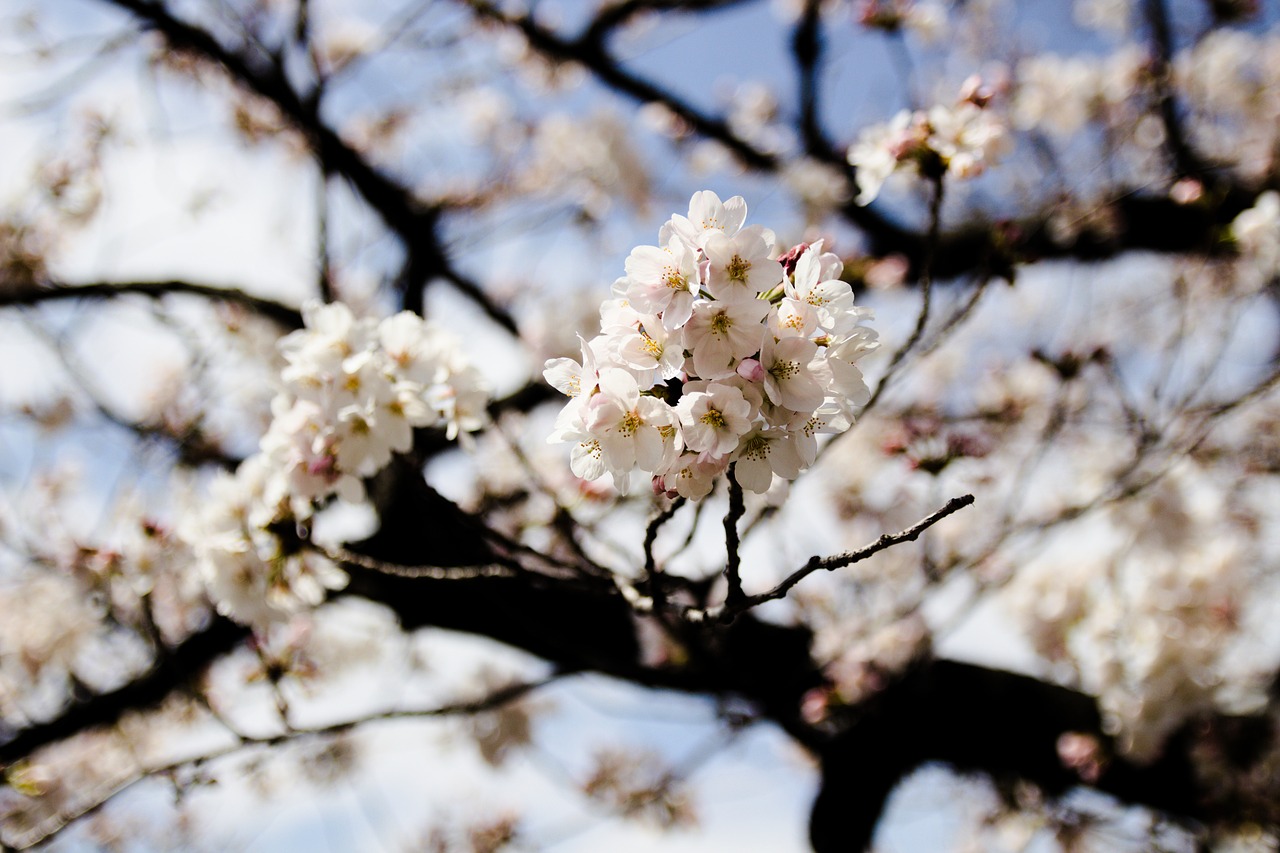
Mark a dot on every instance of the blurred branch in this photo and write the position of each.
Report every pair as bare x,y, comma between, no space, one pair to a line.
926,292
194,446
1150,222
1186,162
1002,724
290,318
410,218
173,668
617,14
491,702
806,46
400,209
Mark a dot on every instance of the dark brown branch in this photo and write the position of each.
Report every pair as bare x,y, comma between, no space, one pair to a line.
286,316
1006,726
652,574
727,610
732,544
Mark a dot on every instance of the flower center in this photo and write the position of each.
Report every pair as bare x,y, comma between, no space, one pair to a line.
756,449
713,418
784,370
737,269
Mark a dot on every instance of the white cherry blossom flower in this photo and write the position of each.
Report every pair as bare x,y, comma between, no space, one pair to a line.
788,378
761,350
761,453
708,216
354,390
713,420
721,333
694,475
648,346
628,426
663,280
740,266
571,378
812,285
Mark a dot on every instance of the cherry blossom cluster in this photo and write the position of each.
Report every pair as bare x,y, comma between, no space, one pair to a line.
945,141
353,392
1153,632
714,350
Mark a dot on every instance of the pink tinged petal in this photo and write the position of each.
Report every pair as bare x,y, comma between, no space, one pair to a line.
619,451
806,446
754,475
802,394
678,311
713,359
621,386
564,375
649,449
735,213
646,264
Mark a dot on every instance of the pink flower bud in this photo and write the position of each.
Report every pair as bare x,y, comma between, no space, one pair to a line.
1186,191
751,370
792,255
659,488
975,92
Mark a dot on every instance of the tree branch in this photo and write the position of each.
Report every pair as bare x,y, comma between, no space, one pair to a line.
174,668
286,316
725,612
411,219
491,702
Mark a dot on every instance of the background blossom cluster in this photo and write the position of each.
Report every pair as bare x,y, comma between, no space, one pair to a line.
354,389
714,350
956,141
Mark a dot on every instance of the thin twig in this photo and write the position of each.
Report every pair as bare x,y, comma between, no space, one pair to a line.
651,570
490,702
926,293
725,612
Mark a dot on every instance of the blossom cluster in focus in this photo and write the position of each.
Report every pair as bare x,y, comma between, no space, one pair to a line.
353,392
715,349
